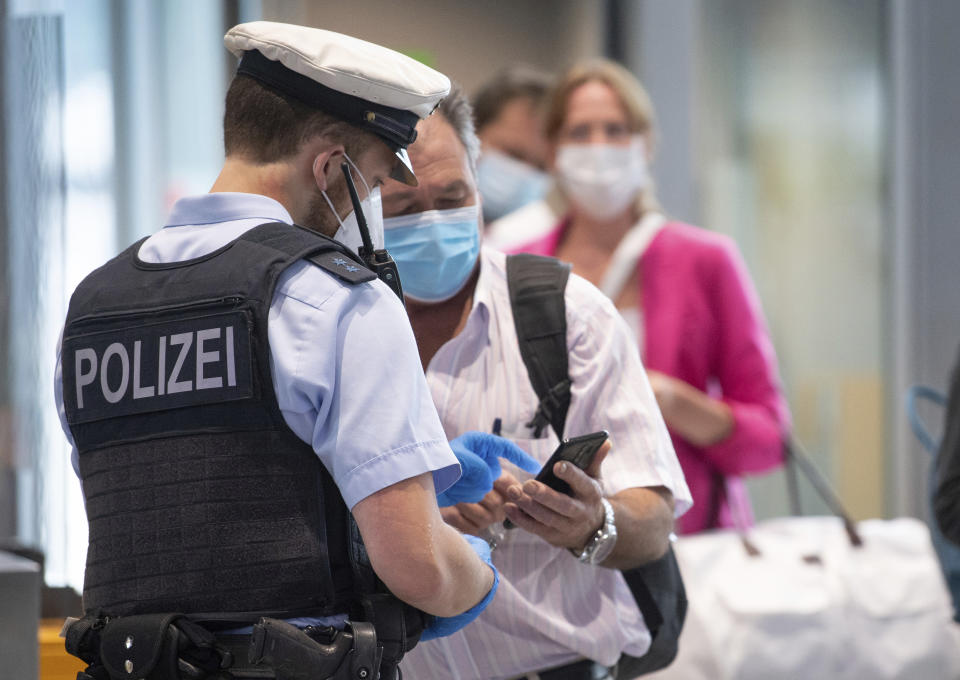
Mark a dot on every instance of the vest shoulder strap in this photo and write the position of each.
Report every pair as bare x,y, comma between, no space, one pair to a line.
331,256
536,285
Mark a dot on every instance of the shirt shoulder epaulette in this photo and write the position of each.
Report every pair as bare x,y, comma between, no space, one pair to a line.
342,267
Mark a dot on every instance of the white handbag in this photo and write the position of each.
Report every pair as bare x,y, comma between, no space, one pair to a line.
815,598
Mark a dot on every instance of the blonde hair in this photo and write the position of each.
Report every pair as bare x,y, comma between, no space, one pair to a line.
634,98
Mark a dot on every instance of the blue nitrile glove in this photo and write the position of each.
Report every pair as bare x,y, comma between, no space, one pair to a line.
479,454
440,626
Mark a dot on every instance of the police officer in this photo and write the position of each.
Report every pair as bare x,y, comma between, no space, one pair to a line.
256,442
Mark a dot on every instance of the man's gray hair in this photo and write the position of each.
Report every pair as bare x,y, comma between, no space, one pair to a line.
457,111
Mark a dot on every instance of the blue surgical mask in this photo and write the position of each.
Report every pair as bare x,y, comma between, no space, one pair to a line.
507,184
435,251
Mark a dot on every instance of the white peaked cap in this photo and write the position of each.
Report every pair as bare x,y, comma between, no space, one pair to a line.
367,85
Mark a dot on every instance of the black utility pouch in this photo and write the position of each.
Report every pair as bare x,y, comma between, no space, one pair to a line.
159,647
140,647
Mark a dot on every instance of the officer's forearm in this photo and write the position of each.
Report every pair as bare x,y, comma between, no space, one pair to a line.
462,579
644,519
423,561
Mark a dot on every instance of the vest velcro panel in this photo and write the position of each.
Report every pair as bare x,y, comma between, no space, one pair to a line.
206,523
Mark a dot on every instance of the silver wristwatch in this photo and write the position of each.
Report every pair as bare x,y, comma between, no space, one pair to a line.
599,547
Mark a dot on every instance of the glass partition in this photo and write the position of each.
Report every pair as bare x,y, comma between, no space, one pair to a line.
112,110
790,162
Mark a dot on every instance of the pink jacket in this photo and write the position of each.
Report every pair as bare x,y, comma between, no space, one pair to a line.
702,323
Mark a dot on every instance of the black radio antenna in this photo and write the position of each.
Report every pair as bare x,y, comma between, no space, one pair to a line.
377,261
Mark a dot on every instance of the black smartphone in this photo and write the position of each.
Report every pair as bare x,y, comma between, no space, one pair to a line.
579,451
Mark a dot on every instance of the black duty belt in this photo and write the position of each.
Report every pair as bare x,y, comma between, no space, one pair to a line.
171,647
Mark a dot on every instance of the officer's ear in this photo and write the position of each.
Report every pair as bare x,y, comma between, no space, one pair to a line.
326,165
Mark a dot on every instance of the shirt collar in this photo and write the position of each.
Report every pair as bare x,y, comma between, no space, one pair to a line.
224,207
492,269
482,294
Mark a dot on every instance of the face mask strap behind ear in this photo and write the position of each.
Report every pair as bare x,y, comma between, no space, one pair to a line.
359,174
373,255
323,193
332,209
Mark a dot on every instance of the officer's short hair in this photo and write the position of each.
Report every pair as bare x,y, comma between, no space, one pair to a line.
263,125
457,111
508,84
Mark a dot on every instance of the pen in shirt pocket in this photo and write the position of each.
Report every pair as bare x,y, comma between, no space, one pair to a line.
495,533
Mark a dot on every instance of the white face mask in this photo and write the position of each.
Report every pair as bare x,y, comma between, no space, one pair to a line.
603,179
349,232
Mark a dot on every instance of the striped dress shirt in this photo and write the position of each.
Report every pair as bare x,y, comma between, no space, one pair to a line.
550,609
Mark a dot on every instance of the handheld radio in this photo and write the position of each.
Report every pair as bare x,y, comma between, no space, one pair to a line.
377,261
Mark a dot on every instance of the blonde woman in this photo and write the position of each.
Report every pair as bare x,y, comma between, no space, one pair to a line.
684,290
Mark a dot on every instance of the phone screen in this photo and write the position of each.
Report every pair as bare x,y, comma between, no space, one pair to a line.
579,451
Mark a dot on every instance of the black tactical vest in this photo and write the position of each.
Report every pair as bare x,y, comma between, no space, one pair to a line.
199,498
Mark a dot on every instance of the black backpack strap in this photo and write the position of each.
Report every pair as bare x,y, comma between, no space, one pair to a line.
536,286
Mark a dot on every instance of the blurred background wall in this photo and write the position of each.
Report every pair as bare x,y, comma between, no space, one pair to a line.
466,40
817,134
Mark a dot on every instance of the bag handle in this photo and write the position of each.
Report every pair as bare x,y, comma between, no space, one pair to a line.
721,495
920,430
796,456
796,459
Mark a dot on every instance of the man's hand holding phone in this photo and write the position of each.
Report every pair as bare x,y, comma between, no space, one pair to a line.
477,518
565,521
478,454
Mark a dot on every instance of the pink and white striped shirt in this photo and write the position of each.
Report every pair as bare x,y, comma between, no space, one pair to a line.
550,609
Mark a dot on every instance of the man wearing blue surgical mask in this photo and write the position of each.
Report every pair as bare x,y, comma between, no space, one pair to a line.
517,198
575,616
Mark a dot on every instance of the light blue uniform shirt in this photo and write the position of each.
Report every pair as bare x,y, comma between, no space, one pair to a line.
344,361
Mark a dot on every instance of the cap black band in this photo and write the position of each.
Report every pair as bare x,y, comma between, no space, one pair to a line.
396,127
